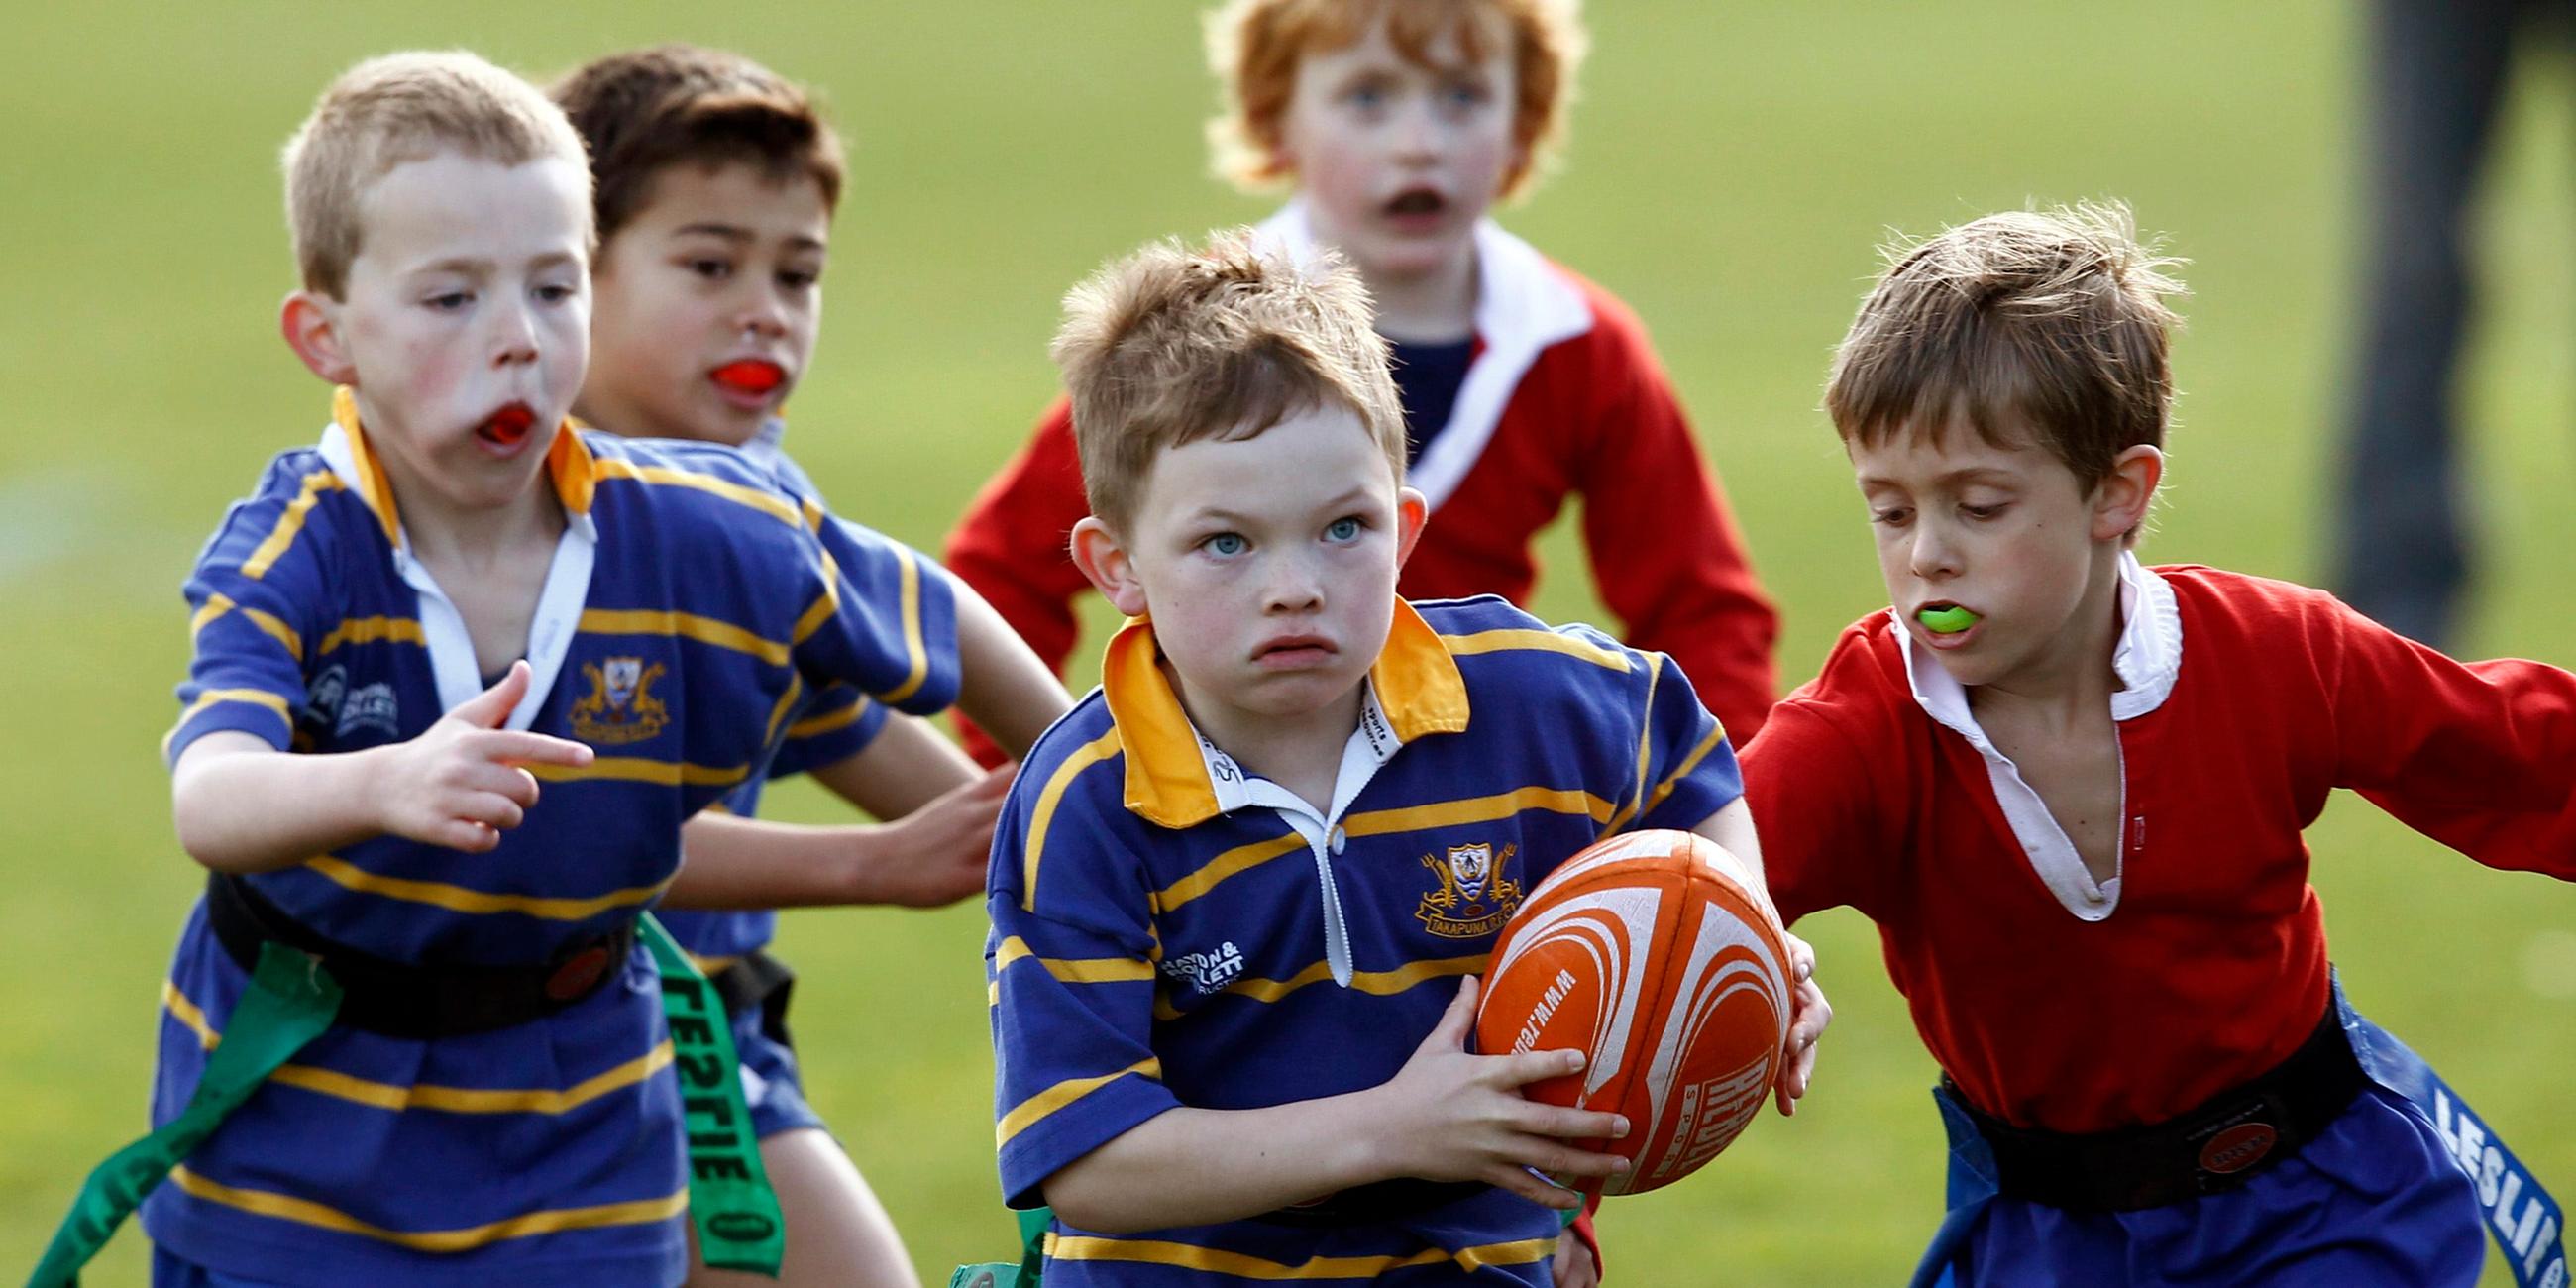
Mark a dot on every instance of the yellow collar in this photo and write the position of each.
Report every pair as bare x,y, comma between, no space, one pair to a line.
1417,683
568,463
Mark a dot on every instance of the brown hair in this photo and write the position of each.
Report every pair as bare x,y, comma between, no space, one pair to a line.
648,109
1254,47
1171,345
398,108
2046,324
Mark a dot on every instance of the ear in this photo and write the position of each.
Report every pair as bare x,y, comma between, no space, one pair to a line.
1103,558
313,331
2123,497
1411,512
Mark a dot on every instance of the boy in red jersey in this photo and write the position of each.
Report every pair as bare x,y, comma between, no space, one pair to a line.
2047,752
1522,384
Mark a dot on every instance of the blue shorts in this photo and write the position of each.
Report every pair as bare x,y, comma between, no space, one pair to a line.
168,1271
2374,1200
771,1086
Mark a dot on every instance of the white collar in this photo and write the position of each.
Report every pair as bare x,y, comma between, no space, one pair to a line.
450,644
2147,658
1523,305
1371,745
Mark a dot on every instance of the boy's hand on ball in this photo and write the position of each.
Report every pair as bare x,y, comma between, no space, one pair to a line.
462,782
1455,1116
1806,1026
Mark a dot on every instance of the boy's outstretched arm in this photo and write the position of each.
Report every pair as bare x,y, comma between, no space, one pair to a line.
1005,689
243,806
1732,827
932,856
1447,1115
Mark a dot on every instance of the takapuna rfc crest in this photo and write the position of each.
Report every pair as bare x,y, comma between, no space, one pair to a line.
1474,897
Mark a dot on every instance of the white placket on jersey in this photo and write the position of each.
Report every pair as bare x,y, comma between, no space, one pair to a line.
442,627
1370,747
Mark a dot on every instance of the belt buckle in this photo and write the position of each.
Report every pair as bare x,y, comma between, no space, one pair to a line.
577,974
2231,1146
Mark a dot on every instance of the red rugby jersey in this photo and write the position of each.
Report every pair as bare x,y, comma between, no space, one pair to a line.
2210,966
1565,397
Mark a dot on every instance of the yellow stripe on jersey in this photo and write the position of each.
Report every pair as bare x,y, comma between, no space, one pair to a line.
638,769
265,555
372,630
219,604
1478,809
1027,1113
1042,816
1245,1266
712,966
826,604
1379,982
1716,735
1499,641
912,648
815,726
778,712
287,1207
664,476
1241,858
1645,748
1073,970
705,630
457,898
186,1012
474,1100
217,697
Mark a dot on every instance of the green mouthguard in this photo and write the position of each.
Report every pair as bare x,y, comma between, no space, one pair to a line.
1947,621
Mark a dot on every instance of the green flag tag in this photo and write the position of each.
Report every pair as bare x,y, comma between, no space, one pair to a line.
289,1002
736,1212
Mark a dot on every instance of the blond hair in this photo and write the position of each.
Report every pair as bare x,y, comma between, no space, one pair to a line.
1171,345
404,107
1254,47
2047,325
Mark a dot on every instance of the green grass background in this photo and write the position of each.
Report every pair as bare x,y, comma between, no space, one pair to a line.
1732,168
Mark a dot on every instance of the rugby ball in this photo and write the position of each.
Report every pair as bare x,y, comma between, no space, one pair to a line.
1656,955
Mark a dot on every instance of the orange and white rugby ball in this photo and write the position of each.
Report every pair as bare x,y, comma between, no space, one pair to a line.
1657,956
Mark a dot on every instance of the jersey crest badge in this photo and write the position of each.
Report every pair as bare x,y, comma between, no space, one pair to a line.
1473,897
620,707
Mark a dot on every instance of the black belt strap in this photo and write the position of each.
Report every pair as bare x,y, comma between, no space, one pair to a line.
403,1000
2215,1147
746,983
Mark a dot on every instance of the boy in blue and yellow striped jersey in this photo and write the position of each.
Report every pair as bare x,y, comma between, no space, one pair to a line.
715,180
1241,894
454,597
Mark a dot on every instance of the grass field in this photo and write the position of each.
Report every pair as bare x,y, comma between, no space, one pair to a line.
1732,168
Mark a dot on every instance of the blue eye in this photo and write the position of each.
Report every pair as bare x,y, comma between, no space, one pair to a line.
1225,544
1344,529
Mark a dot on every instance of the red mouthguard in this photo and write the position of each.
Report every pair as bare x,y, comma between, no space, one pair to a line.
751,375
510,424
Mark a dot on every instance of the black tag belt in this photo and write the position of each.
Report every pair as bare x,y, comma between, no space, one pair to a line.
404,1000
2215,1147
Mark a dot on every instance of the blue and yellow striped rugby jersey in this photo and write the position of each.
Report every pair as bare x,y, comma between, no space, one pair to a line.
1164,934
826,726
690,603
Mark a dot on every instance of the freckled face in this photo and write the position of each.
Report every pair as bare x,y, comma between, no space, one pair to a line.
1397,160
1269,566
